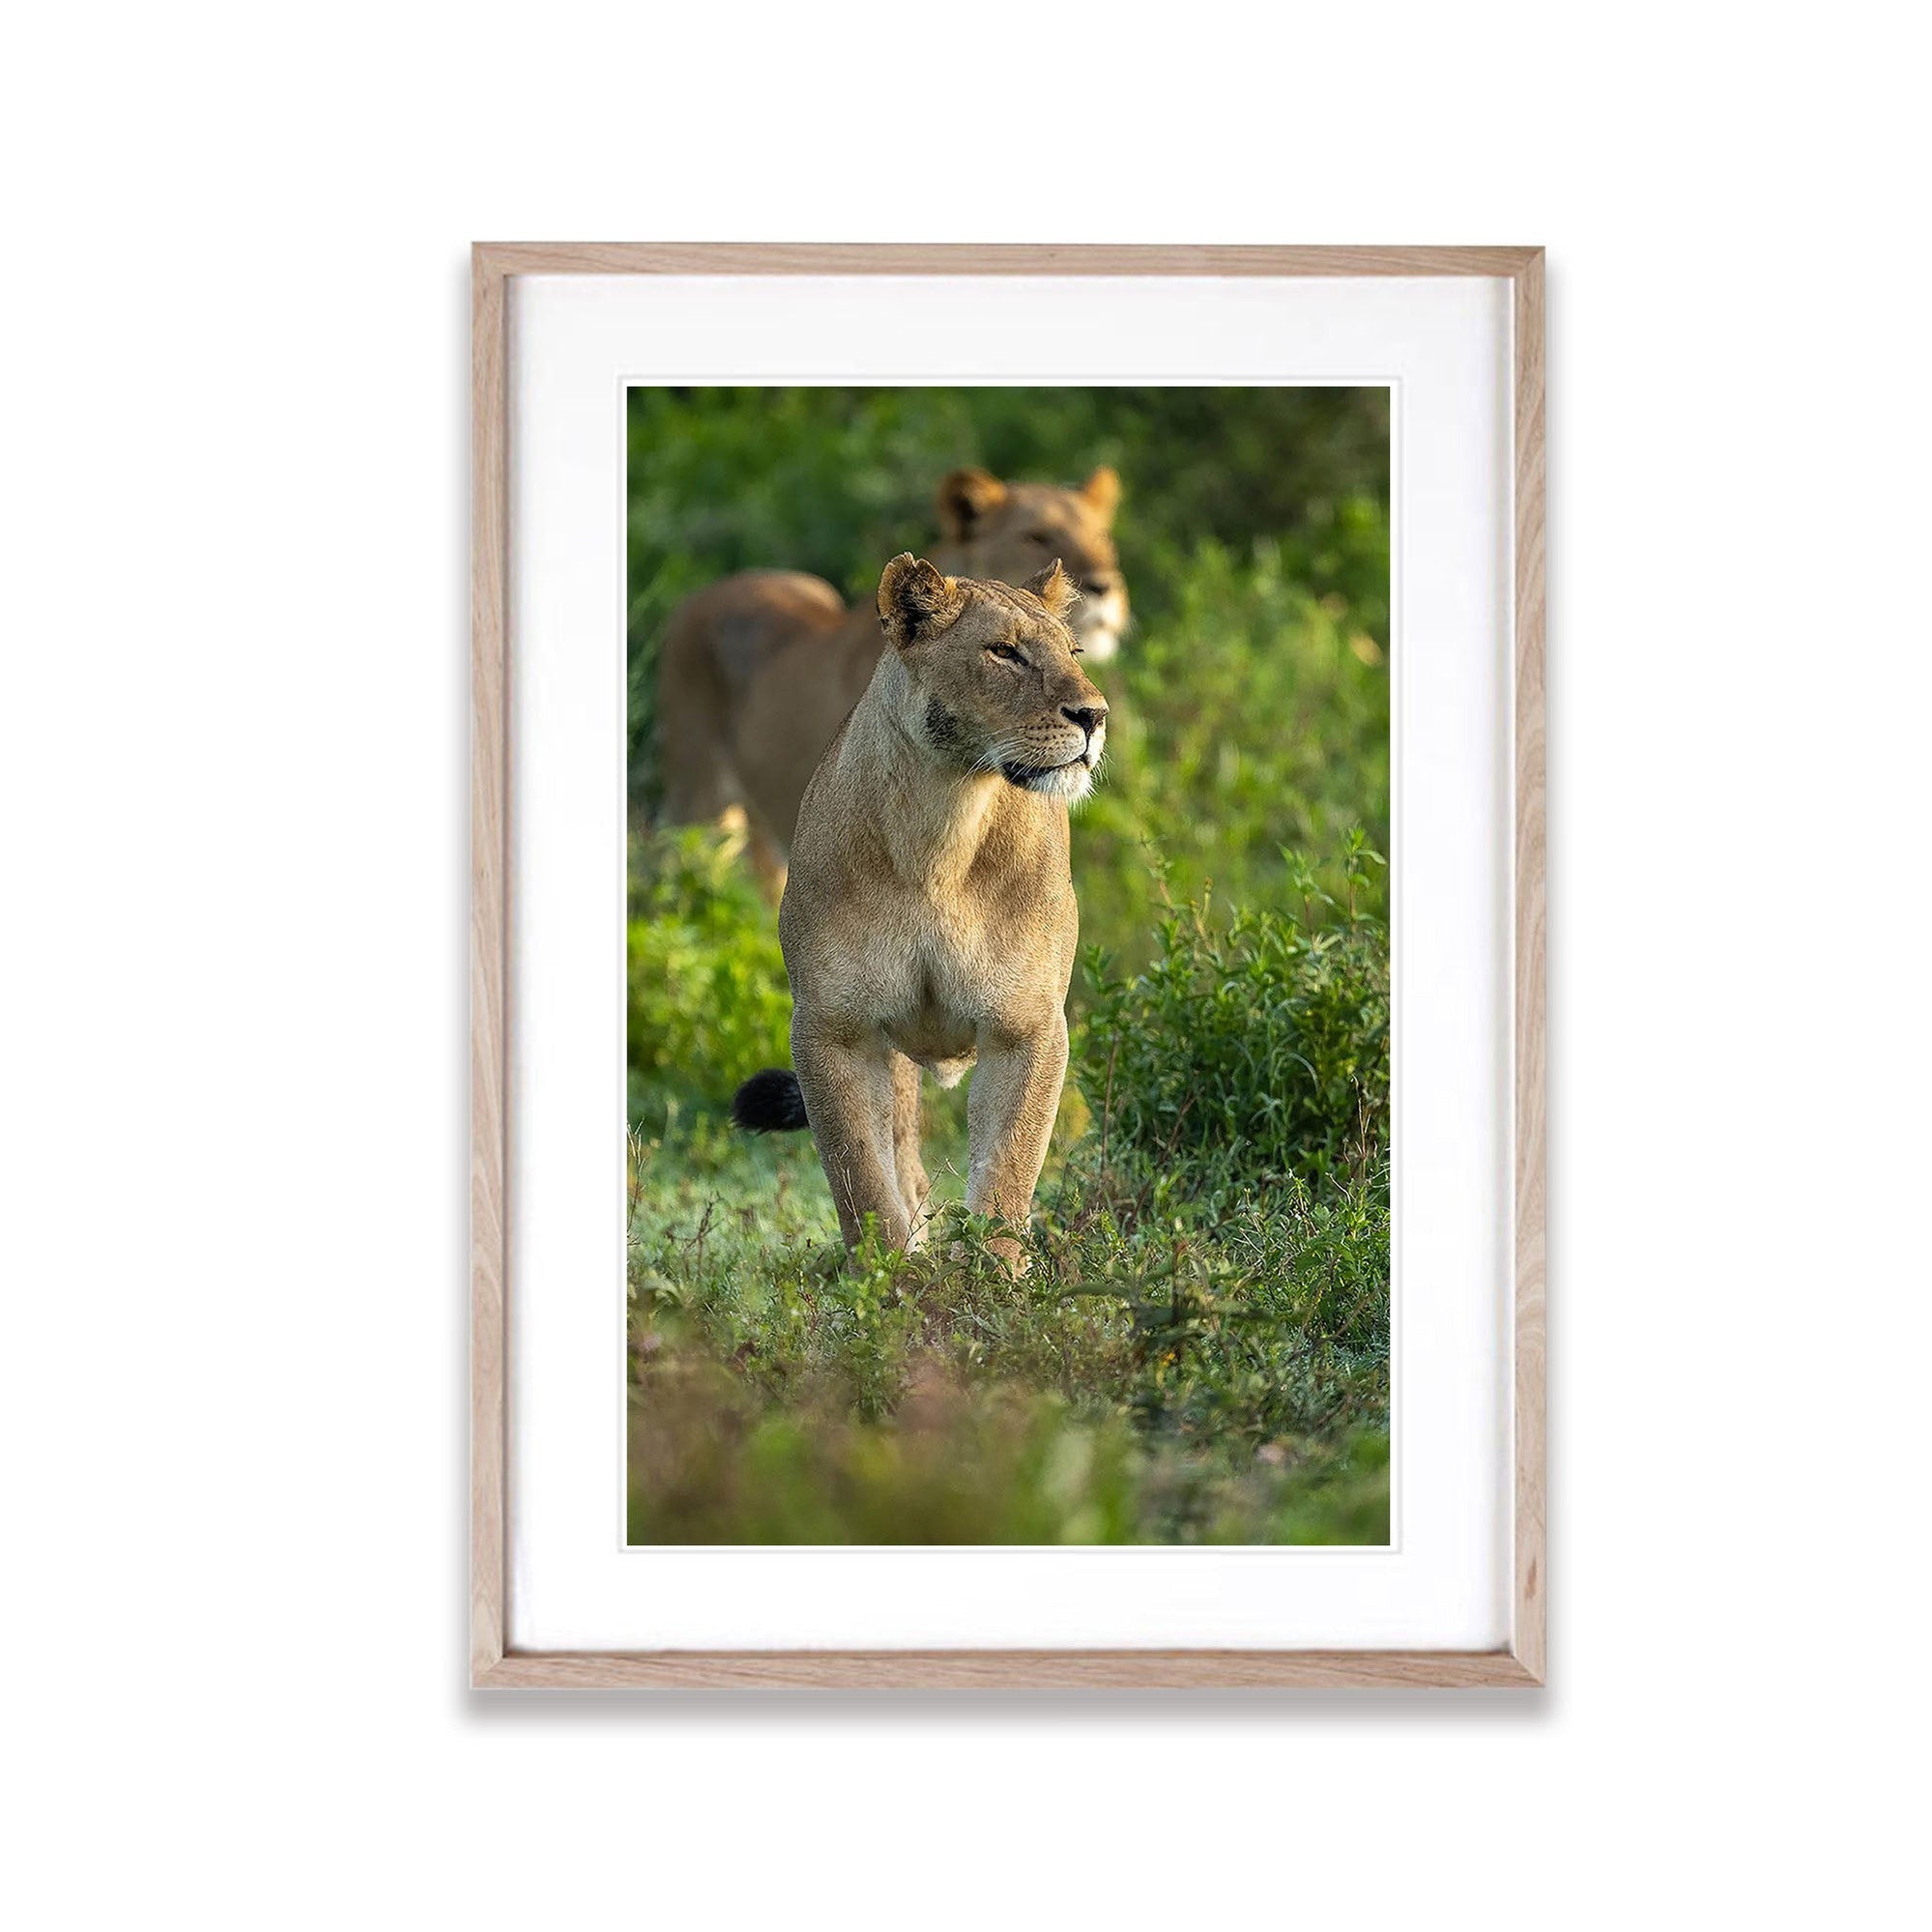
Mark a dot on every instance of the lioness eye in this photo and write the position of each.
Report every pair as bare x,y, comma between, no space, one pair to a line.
1039,537
1006,652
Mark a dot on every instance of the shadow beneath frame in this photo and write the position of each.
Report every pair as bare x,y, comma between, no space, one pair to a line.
1317,1709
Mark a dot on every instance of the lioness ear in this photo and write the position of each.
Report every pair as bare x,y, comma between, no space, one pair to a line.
914,600
1053,589
1101,491
965,497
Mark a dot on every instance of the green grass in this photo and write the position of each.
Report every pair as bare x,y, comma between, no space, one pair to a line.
1174,1368
1201,1350
1198,1353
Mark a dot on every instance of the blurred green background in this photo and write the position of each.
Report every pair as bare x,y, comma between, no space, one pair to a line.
1200,1352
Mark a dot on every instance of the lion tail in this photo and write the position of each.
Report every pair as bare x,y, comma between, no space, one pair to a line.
771,1102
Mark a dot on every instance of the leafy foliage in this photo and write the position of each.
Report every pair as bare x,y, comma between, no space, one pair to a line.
706,996
1250,717
1268,1038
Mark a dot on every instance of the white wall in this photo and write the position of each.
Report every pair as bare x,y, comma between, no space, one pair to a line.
232,799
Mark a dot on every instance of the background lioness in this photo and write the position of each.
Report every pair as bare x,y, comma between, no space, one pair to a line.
930,918
759,671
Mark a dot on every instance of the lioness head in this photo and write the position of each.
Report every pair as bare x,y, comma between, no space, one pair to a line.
1003,533
991,680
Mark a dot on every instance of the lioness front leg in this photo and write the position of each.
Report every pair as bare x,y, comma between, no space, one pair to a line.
1010,1109
913,1185
848,1099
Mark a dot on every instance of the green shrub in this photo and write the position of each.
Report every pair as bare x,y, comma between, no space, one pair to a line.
1251,716
1267,1036
706,999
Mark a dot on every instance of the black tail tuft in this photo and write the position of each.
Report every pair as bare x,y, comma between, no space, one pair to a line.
771,1102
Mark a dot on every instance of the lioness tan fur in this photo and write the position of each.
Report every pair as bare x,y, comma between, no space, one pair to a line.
930,918
759,670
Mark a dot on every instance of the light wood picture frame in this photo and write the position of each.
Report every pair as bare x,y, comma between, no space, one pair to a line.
1521,1662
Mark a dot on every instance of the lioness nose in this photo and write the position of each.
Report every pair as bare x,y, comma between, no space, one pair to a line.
1088,717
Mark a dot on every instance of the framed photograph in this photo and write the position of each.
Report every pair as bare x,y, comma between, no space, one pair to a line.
1008,982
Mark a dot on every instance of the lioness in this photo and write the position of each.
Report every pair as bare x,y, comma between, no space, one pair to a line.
930,918
759,670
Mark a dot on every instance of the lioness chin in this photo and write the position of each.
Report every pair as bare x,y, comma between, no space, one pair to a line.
930,918
759,670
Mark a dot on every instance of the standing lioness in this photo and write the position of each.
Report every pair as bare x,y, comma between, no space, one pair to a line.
930,918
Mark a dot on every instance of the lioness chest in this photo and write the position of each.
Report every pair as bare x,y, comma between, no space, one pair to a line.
947,972
930,977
